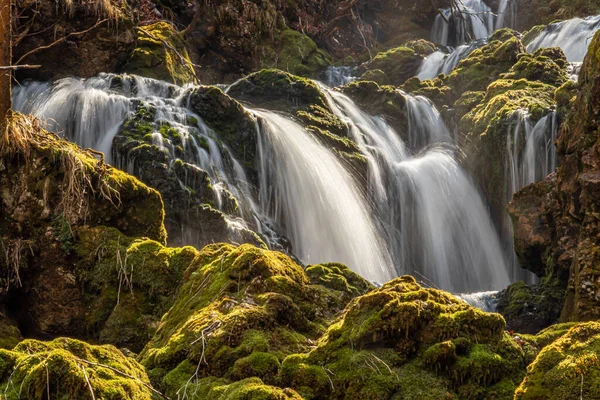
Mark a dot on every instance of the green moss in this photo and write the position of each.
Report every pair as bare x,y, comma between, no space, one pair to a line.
543,66
297,54
566,369
397,64
153,59
278,90
259,364
252,307
70,369
446,347
375,75
126,300
421,46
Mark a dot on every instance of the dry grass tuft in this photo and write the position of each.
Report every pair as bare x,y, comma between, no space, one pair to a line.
84,172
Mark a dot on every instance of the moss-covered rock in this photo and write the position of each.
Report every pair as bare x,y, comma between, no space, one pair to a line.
10,335
398,64
281,91
70,369
161,54
240,311
385,101
409,342
545,65
295,53
488,126
566,369
484,65
555,221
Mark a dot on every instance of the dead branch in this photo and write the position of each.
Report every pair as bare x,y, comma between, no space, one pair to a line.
62,39
23,66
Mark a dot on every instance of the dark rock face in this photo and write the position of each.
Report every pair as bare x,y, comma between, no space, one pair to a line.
556,220
103,49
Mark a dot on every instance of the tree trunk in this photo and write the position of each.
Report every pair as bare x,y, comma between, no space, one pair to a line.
5,59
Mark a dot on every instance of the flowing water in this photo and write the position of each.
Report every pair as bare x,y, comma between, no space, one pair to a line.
432,217
506,17
531,156
340,76
572,36
440,62
304,187
486,301
472,19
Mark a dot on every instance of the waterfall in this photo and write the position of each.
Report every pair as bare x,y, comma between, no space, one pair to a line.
306,190
434,220
486,301
472,20
340,76
572,36
507,14
440,62
425,124
531,156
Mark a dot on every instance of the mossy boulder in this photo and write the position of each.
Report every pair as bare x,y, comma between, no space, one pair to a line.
232,124
375,75
10,335
161,54
397,64
304,98
484,65
386,101
70,369
240,311
421,46
545,65
404,341
566,369
487,127
154,150
279,90
295,53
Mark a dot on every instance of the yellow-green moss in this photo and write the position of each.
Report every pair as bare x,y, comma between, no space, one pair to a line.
397,64
154,59
569,368
70,369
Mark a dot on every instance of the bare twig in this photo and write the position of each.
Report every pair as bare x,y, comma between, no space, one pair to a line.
62,39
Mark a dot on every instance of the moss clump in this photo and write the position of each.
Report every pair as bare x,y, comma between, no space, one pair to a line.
278,90
484,65
297,54
252,307
68,368
566,369
126,300
446,347
154,59
9,334
398,64
375,75
545,65
421,46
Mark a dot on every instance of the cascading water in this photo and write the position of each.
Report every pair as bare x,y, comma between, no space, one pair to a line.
506,17
309,193
531,156
421,214
572,36
440,62
340,76
431,215
472,19
91,112
486,301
